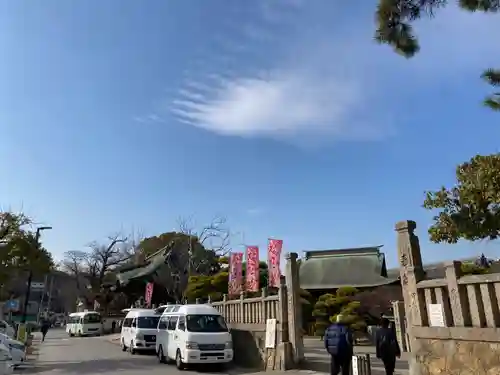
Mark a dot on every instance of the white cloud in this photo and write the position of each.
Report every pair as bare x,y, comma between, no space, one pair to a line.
255,211
285,104
328,81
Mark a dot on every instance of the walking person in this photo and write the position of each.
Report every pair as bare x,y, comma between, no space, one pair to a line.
339,344
387,346
45,328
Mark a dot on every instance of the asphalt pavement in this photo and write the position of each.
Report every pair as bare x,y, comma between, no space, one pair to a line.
63,355
318,360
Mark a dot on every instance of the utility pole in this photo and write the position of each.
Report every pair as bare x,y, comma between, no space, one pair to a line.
50,293
42,298
30,275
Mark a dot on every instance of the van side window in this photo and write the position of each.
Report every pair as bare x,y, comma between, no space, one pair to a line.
134,322
127,322
163,323
172,322
181,325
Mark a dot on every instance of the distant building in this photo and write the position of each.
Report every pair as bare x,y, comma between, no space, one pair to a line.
322,271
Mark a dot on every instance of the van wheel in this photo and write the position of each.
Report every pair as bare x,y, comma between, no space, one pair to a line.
70,334
178,361
161,357
131,348
124,347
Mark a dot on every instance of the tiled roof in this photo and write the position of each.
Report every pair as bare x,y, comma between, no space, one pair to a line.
357,267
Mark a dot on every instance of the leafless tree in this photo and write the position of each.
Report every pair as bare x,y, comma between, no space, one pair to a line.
215,236
74,263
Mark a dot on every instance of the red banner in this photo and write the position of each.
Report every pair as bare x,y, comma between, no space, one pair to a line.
235,274
149,294
273,262
252,272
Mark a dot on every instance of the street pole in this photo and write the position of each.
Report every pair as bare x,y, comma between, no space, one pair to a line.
50,294
42,298
30,275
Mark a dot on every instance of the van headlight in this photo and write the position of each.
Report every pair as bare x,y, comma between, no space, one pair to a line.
191,345
229,345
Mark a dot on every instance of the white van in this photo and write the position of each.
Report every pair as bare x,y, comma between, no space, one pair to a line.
193,334
6,328
85,323
139,330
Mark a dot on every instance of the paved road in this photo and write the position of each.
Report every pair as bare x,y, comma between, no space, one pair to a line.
318,360
61,355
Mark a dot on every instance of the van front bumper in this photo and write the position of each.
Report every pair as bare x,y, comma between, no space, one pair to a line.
198,356
144,345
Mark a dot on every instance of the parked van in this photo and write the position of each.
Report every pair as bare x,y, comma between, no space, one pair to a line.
193,334
6,328
139,330
87,323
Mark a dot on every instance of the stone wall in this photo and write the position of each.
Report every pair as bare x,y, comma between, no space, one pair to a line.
453,323
250,350
463,352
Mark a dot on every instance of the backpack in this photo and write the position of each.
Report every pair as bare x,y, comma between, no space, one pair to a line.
337,340
387,344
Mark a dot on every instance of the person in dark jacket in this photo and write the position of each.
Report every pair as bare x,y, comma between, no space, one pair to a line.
387,346
339,344
45,328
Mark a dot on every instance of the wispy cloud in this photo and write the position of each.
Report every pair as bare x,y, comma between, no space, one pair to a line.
328,81
255,211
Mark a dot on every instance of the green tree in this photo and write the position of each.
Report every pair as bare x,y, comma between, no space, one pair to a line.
216,285
342,302
470,268
18,250
394,27
470,209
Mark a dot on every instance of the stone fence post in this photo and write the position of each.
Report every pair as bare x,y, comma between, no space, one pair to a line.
411,272
294,307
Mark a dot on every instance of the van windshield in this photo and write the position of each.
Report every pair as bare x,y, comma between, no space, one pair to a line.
92,318
147,322
205,323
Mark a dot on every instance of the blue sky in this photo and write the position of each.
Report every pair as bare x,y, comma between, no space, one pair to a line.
283,116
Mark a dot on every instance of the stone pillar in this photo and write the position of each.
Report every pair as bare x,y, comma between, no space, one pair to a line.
399,322
285,349
293,296
411,272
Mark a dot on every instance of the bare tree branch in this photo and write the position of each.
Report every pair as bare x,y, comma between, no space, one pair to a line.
74,263
215,236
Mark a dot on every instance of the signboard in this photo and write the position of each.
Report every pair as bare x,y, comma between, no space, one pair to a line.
271,333
355,367
436,315
37,286
12,305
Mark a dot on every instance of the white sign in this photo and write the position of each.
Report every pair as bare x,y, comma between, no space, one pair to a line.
436,315
355,370
35,285
271,333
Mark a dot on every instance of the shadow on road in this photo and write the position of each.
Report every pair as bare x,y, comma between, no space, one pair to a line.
93,366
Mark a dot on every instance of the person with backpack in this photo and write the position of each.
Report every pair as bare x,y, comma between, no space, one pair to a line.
387,347
339,344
